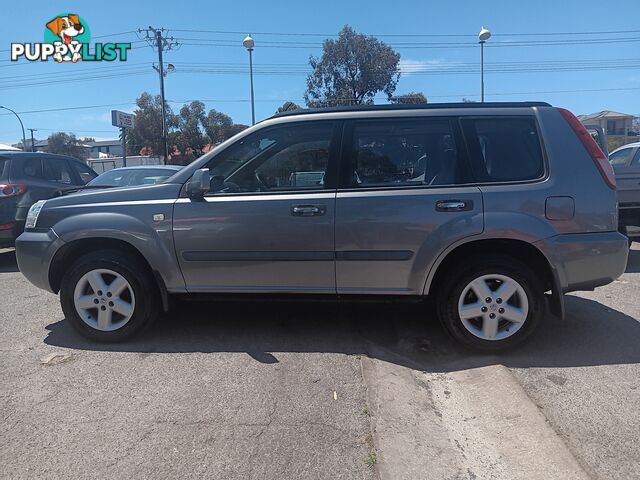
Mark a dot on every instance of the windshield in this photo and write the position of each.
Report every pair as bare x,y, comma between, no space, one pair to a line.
130,177
4,165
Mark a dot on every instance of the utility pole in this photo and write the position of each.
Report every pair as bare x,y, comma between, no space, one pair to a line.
156,40
33,146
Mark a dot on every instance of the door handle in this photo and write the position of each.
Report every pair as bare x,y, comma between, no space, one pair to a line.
454,205
308,210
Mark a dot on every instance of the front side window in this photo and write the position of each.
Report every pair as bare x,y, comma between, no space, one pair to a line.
406,152
281,158
504,149
57,171
84,172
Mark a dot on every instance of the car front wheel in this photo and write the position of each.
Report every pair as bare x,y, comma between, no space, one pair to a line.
109,296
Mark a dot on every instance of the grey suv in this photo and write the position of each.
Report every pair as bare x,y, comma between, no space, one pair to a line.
483,206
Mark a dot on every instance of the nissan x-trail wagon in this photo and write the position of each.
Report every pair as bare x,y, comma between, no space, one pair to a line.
494,210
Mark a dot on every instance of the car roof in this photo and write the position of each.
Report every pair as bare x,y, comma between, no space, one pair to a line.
145,167
15,154
422,106
628,145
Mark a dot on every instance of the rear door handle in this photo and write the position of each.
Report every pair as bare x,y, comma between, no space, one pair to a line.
308,210
454,205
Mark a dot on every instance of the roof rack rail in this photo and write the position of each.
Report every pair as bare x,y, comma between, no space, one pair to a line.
425,106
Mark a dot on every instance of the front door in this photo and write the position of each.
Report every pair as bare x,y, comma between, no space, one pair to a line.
267,224
402,200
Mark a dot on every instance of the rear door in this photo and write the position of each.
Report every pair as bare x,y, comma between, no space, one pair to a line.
404,196
32,171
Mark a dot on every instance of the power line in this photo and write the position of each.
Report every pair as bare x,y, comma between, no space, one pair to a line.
330,35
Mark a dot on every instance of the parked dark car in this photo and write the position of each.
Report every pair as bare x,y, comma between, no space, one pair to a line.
626,164
27,177
132,176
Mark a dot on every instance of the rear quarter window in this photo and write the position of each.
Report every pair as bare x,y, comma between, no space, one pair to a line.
504,149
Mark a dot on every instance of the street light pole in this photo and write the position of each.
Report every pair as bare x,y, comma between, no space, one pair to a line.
24,137
249,44
483,36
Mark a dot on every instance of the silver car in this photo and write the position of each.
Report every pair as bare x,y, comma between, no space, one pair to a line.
626,164
483,206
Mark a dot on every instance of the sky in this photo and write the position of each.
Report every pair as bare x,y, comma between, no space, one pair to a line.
571,53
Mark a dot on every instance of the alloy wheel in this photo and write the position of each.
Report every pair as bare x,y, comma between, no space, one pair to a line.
493,307
104,300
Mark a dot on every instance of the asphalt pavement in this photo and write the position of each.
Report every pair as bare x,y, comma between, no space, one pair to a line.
318,390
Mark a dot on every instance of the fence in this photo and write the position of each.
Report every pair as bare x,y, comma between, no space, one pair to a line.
101,165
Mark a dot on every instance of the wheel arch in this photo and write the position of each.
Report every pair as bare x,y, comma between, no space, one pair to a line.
521,250
76,248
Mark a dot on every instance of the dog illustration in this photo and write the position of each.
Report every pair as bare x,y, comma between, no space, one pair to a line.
66,28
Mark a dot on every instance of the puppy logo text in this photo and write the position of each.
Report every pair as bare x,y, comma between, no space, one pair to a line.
66,39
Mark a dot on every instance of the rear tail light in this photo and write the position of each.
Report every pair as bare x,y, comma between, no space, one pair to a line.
7,226
593,149
11,190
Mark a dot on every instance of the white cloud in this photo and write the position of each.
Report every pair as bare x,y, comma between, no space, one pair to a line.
408,66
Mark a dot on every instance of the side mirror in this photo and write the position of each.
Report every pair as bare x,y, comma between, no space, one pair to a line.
199,183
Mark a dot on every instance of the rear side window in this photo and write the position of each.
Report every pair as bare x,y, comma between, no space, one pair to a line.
504,149
28,168
404,152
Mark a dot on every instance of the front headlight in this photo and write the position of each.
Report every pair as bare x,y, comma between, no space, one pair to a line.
32,216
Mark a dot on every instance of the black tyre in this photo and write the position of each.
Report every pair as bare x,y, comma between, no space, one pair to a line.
491,304
109,295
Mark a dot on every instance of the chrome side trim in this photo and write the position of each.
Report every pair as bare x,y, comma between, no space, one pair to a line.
120,204
264,196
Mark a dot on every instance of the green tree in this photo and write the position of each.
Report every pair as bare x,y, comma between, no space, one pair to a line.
351,71
411,98
216,126
67,144
146,134
288,106
186,141
235,129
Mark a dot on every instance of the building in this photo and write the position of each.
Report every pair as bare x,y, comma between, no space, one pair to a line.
105,148
613,123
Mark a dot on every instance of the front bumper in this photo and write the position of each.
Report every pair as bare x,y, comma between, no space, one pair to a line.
34,253
584,261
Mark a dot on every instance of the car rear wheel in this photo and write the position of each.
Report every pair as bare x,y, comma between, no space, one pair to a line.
492,304
109,296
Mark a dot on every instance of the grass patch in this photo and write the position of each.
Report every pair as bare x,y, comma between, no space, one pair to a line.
372,458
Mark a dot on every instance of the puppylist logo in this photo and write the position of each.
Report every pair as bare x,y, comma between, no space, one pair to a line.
66,39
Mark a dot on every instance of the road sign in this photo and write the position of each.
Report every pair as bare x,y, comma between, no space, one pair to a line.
122,119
